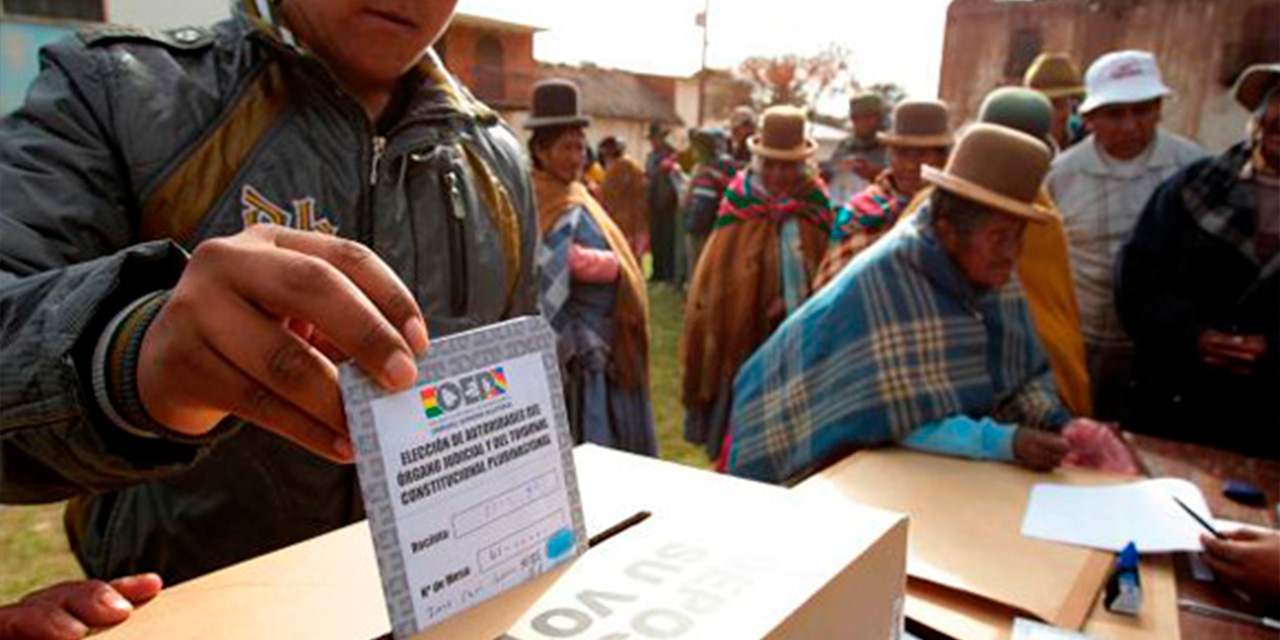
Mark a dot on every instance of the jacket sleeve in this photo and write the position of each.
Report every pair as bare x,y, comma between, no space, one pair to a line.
515,177
66,268
1147,300
964,437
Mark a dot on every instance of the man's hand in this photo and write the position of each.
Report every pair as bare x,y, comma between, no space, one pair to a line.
1248,559
1235,353
68,611
248,326
1039,450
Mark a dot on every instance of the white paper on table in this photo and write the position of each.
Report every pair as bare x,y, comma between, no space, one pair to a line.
1108,518
1024,629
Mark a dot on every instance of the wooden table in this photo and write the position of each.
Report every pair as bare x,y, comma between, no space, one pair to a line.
1209,468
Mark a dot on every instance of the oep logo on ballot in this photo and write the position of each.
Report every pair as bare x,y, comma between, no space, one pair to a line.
470,390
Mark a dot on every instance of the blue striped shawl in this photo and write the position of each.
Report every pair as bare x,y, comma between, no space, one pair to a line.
898,340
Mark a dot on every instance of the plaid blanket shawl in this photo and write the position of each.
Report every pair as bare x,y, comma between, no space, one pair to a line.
561,209
897,341
1221,204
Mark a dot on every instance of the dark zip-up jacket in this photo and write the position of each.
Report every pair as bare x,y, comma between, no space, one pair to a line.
1191,265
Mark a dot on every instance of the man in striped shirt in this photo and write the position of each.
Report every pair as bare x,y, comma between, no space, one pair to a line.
1101,186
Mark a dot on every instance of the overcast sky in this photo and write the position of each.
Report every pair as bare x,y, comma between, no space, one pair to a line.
892,40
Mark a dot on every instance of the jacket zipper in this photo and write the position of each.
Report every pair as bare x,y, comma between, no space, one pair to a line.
379,149
456,221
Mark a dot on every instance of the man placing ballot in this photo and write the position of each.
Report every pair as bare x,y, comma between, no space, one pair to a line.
169,363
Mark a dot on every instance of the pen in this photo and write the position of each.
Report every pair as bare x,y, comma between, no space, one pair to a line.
1219,612
1202,522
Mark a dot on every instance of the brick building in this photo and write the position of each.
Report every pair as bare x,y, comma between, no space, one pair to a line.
492,58
1201,45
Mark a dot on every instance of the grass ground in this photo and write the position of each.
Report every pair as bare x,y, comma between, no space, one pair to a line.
33,550
33,546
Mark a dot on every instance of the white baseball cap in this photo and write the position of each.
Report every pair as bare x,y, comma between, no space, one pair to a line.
1122,77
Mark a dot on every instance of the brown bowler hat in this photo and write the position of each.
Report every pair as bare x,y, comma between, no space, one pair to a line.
1255,83
782,135
556,104
998,167
919,123
1054,75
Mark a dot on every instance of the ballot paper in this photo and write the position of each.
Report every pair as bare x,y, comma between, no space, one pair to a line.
1109,517
468,477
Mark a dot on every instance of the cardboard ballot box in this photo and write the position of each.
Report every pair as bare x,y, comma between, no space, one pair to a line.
717,557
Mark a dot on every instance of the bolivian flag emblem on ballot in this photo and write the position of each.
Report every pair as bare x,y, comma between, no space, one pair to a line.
430,403
437,399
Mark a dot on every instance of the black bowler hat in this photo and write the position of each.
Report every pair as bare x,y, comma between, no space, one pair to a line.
556,104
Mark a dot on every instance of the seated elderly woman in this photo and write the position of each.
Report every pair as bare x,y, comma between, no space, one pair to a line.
763,251
592,288
924,340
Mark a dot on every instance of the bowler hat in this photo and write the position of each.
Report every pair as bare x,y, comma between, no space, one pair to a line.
998,167
556,103
919,123
1026,110
1255,83
1054,75
782,135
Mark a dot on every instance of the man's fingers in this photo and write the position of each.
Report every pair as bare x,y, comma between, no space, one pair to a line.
1225,570
1217,361
40,621
328,348
1232,347
371,275
237,392
1224,551
291,284
138,589
1242,534
93,602
278,359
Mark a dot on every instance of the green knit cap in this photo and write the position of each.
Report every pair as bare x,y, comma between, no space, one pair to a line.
1025,110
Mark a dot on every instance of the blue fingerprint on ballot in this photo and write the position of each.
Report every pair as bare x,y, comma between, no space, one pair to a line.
560,544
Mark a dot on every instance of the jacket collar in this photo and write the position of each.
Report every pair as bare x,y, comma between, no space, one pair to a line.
262,15
1160,156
